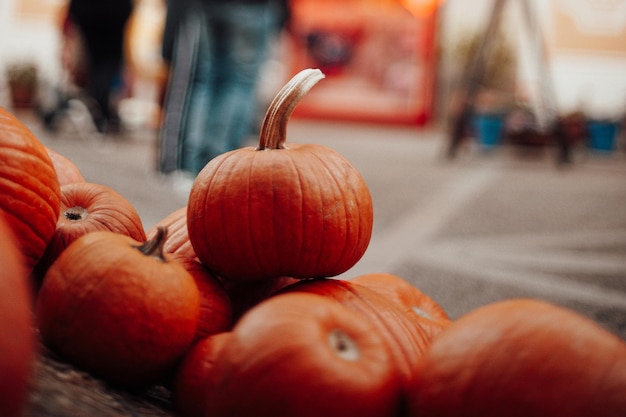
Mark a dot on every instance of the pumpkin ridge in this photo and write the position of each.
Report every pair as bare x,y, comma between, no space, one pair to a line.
303,223
33,185
194,205
406,355
249,192
124,217
24,226
325,164
7,189
23,209
321,232
34,157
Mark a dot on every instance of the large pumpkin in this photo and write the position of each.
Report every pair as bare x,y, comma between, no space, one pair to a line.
299,355
29,188
119,308
17,336
280,209
407,341
521,358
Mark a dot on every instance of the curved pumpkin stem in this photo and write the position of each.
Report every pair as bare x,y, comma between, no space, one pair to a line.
154,246
274,128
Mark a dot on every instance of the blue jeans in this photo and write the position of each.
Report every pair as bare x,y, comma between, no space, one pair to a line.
221,104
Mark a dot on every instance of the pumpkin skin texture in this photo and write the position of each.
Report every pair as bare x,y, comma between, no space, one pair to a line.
29,188
297,210
216,313
519,358
67,172
17,336
178,237
407,341
88,207
302,355
426,311
193,373
118,309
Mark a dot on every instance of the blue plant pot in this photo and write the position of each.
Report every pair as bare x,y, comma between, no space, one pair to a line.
603,135
489,129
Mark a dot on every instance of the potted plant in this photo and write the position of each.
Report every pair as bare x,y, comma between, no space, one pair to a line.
23,81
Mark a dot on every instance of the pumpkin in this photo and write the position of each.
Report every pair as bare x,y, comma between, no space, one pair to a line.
17,338
88,207
301,355
29,188
280,209
67,172
193,373
522,357
178,239
426,311
118,308
407,341
216,312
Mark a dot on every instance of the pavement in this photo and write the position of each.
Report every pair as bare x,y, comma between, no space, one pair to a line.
483,227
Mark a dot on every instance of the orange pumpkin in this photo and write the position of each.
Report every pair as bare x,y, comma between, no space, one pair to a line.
407,342
86,208
178,240
29,188
426,311
216,312
280,209
17,338
520,358
194,373
67,172
118,308
301,355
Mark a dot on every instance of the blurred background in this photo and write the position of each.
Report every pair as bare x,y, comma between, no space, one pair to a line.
490,133
387,60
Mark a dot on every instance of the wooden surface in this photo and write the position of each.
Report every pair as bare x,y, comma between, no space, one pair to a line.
61,390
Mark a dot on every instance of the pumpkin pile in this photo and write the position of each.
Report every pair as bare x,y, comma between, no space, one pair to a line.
230,301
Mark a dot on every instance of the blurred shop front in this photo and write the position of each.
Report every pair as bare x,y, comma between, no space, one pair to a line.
378,57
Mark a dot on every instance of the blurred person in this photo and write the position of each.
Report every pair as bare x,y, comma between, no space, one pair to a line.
102,27
215,51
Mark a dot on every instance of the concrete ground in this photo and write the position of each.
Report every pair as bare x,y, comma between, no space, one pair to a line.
480,228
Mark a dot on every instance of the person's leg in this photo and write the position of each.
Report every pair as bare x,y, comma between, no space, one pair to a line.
199,103
242,43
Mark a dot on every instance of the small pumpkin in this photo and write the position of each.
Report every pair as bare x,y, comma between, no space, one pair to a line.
280,209
300,355
29,188
178,240
17,336
407,341
118,308
519,358
89,207
67,172
427,312
193,374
